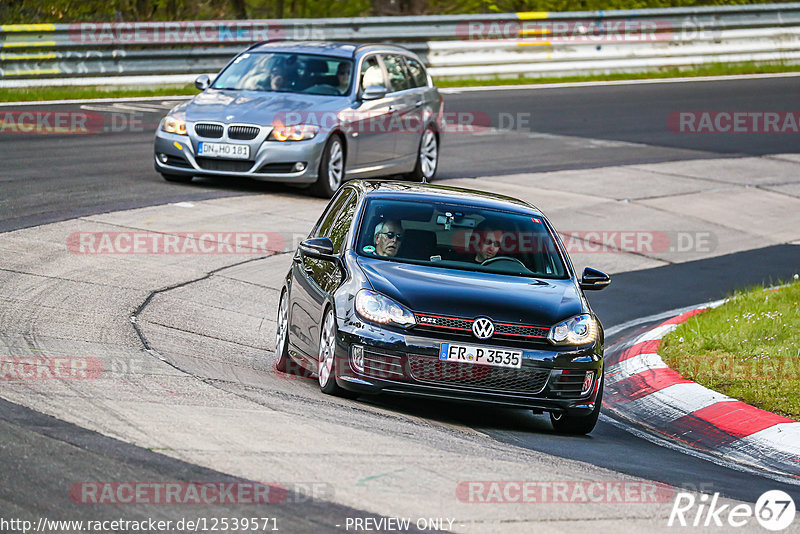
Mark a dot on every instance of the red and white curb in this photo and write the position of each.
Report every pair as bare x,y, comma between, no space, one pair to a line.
641,388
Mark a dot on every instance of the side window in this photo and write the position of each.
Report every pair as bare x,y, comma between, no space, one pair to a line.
371,73
342,223
399,78
418,74
329,218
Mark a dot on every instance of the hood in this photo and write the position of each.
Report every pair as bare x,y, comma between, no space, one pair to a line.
468,294
261,107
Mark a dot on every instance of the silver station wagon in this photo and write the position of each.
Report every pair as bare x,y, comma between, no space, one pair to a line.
307,113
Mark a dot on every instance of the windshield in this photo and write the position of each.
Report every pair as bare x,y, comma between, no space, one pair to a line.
287,73
456,236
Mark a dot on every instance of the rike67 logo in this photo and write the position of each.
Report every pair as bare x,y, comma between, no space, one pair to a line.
774,510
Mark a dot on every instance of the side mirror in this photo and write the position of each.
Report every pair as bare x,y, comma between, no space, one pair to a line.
202,82
373,92
318,247
593,279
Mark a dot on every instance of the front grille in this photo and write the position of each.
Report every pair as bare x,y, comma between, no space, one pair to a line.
228,165
243,132
434,371
569,384
434,323
211,131
277,167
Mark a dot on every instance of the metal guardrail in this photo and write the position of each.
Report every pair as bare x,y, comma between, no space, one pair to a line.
453,46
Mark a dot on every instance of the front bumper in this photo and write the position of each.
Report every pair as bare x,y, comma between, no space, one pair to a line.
406,364
180,151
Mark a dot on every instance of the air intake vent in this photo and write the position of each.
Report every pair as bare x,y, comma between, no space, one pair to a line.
211,131
243,132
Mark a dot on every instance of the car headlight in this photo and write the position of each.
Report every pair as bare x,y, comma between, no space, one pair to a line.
174,125
578,330
376,308
298,132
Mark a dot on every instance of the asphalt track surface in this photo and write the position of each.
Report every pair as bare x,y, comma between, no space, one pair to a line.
49,178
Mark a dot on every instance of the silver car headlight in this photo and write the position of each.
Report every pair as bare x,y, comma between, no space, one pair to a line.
174,125
578,330
377,308
298,132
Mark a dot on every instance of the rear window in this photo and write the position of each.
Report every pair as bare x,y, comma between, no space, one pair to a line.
458,236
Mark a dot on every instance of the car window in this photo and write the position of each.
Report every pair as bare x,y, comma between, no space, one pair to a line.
399,78
452,235
337,219
341,225
328,219
288,73
418,75
371,73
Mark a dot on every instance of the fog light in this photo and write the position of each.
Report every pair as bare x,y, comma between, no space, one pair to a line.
357,358
300,166
587,382
162,158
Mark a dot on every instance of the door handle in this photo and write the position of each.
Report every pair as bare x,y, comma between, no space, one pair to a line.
391,109
418,103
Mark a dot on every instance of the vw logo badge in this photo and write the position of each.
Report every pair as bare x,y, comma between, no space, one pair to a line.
483,328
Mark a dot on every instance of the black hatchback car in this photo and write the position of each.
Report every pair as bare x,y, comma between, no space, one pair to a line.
445,293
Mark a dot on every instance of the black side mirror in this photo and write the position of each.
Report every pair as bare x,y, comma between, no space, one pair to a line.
318,247
593,279
202,82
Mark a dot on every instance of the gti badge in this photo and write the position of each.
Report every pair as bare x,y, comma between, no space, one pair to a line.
483,328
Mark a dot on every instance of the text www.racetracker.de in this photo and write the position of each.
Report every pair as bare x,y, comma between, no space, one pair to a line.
198,524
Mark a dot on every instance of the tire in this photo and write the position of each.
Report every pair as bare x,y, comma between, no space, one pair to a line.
177,178
282,334
578,425
331,168
326,370
427,157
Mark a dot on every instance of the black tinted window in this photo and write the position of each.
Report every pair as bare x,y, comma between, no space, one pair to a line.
329,218
341,225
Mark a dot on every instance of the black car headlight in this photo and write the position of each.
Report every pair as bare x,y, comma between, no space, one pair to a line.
578,330
377,308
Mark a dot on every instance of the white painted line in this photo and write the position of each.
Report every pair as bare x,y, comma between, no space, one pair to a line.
634,366
657,333
671,403
713,457
600,83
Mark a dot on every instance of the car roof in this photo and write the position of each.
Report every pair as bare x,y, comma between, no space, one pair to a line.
392,189
326,48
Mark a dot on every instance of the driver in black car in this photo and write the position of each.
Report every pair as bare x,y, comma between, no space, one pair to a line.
489,240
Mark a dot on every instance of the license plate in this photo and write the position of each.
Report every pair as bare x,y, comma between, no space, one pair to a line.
477,355
223,150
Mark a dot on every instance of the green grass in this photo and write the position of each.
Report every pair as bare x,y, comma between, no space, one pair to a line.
748,348
76,93
29,94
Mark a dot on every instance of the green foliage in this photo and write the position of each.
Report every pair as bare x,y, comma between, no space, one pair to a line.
748,348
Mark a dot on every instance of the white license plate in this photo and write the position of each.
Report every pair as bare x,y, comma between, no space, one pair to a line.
493,356
223,150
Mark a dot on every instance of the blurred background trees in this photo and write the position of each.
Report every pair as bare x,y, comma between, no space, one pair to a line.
32,11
